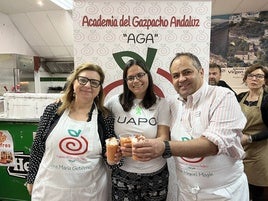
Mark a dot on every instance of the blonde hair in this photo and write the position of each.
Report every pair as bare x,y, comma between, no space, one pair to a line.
69,95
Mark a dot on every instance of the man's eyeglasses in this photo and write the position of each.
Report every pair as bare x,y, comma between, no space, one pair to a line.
138,76
84,80
257,76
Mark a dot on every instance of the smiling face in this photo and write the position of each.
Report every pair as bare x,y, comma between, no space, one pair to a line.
86,92
139,82
186,78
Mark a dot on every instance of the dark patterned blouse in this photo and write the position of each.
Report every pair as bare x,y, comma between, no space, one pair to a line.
47,122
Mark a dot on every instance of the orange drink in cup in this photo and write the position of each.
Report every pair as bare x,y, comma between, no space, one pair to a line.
125,139
112,145
137,138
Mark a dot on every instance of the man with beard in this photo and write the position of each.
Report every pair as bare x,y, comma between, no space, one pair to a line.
215,77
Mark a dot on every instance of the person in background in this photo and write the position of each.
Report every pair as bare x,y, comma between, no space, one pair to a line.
254,104
66,159
206,130
139,111
215,77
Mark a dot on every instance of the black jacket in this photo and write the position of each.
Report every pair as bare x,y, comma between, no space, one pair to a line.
222,83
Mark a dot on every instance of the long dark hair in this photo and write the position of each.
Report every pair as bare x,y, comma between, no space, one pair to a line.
127,97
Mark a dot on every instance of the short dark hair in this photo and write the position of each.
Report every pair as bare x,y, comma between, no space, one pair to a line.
255,67
214,65
195,60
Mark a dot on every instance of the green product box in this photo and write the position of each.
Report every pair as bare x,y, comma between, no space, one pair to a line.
13,178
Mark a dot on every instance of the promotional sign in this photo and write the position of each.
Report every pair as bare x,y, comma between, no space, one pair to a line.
238,41
109,33
6,149
13,177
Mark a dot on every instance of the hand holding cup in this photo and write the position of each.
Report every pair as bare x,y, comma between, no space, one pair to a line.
137,138
126,144
112,148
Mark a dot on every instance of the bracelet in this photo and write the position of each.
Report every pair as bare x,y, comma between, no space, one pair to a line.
249,140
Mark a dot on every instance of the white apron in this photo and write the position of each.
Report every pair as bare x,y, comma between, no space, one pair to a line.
215,178
72,168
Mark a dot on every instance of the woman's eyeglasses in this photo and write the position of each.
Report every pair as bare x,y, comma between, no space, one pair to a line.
257,76
84,80
138,76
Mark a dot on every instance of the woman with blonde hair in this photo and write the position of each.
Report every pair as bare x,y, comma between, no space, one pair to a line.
66,160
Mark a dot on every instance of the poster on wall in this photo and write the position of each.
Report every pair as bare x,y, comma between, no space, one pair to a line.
219,50
238,41
109,33
248,39
6,149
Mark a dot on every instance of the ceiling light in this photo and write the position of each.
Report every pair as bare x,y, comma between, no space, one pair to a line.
65,4
40,3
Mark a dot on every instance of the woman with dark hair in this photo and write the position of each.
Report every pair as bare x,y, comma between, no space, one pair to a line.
254,104
66,160
139,111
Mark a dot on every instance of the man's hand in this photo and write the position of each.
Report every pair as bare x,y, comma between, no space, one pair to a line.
148,149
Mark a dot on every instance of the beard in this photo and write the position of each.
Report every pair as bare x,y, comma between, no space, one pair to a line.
212,81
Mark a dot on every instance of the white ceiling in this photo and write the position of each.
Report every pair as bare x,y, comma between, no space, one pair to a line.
48,29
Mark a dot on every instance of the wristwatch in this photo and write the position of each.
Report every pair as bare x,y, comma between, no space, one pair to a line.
167,153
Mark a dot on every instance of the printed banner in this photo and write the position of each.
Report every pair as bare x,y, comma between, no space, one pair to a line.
109,33
6,149
238,41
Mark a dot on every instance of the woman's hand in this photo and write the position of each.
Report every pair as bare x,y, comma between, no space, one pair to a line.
126,149
117,157
29,188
